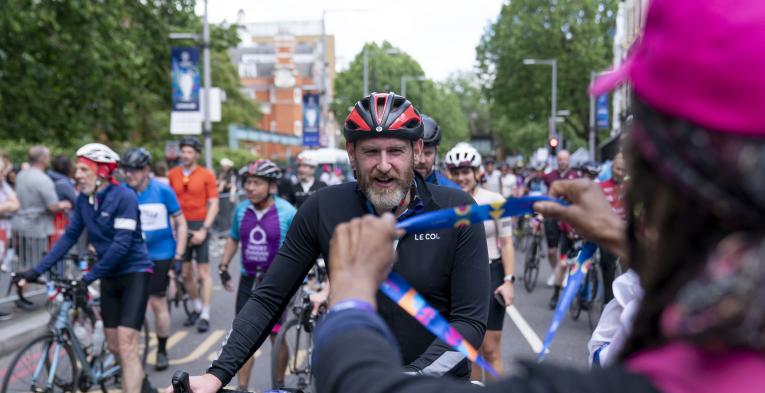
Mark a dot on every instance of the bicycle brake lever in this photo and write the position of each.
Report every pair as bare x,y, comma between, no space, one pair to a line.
180,382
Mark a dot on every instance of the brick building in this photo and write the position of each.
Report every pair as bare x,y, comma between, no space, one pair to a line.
278,62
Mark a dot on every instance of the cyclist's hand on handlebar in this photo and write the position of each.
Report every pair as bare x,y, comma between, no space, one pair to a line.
588,212
22,278
206,383
361,255
317,300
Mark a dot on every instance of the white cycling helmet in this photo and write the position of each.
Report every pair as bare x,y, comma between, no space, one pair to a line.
462,155
305,158
103,159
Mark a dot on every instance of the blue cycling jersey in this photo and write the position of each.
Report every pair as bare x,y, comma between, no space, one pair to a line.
261,233
157,203
114,229
436,177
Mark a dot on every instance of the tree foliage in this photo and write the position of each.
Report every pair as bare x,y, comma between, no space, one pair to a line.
74,71
576,33
386,67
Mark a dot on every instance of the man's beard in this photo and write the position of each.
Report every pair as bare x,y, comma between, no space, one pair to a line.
385,200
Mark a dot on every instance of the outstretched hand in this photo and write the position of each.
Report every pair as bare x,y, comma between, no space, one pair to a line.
361,255
588,212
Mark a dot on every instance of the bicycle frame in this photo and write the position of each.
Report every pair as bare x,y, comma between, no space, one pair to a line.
63,331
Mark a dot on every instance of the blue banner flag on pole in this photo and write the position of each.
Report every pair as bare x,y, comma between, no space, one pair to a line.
311,119
185,78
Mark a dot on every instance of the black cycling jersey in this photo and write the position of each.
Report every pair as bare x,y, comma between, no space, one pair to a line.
354,352
448,267
297,196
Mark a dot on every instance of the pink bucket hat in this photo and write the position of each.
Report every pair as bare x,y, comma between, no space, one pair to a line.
703,61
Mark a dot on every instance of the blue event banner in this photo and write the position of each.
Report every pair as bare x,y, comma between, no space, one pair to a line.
185,78
311,119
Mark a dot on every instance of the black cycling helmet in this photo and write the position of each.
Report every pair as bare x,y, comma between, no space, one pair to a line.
591,168
383,114
191,142
431,134
136,158
265,169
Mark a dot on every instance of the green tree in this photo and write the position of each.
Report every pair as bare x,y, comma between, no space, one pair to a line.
386,67
576,33
74,71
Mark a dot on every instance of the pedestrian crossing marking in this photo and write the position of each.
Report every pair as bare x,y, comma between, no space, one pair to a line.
211,340
171,342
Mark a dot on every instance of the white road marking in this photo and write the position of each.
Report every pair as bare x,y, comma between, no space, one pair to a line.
211,340
171,342
528,333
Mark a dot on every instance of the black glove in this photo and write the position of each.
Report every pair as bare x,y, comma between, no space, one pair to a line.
225,277
177,265
28,276
81,293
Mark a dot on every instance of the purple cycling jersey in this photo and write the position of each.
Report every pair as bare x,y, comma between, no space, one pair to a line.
260,239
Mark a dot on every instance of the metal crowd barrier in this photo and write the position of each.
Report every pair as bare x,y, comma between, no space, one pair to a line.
21,253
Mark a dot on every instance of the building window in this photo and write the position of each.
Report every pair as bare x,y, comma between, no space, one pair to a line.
265,69
298,95
273,125
298,131
305,69
248,70
304,48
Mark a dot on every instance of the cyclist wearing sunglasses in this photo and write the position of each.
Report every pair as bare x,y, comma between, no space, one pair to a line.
197,192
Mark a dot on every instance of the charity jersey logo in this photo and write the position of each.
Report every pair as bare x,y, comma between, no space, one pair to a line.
257,249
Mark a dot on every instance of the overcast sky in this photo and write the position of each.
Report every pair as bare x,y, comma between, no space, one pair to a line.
440,34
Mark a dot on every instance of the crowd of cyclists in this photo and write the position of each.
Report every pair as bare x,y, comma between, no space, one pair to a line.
145,229
685,225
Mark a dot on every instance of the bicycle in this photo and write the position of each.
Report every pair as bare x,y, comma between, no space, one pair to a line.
51,361
590,295
180,297
297,336
533,253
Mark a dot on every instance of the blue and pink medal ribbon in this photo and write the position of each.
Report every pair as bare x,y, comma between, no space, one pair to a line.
576,276
398,290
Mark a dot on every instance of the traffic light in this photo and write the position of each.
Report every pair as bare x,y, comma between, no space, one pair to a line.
553,144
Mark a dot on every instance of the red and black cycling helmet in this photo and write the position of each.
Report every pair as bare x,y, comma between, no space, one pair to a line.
383,114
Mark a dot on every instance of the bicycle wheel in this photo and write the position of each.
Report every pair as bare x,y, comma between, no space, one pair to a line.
298,344
43,352
597,294
531,266
575,309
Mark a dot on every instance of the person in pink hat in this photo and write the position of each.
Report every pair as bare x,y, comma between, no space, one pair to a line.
694,235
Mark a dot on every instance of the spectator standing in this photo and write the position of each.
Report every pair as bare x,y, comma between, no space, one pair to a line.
33,223
198,194
493,177
9,204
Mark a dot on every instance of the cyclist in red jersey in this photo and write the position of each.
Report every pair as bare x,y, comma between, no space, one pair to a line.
556,237
613,189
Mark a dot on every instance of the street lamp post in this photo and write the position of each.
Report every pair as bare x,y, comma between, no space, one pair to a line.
208,83
554,101
407,78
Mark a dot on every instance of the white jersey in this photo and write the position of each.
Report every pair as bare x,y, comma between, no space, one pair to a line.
495,229
616,320
493,181
509,185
